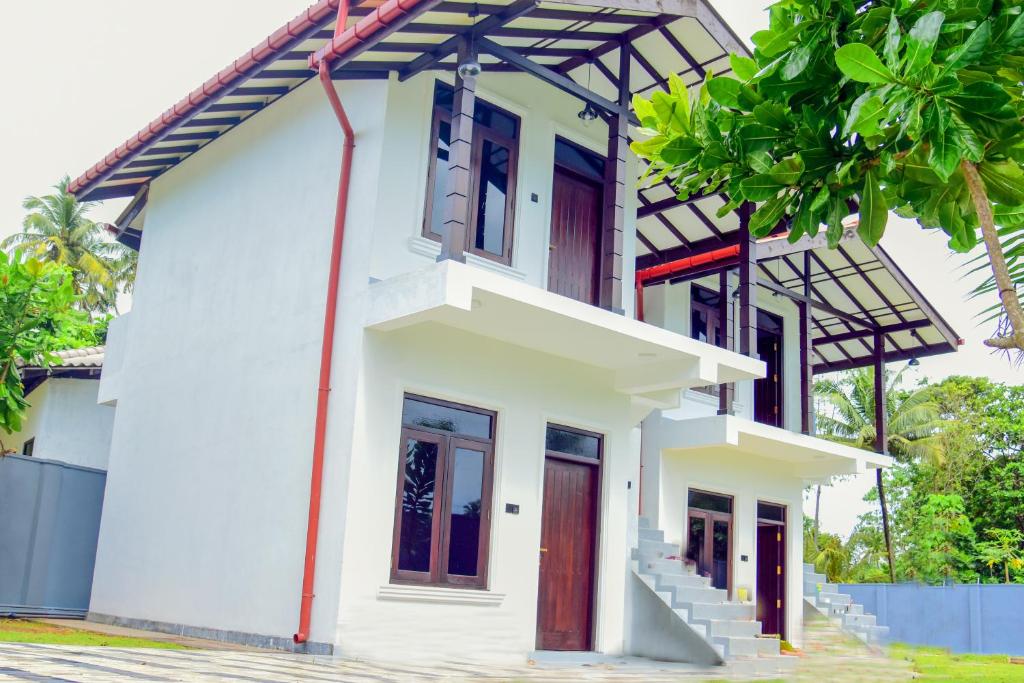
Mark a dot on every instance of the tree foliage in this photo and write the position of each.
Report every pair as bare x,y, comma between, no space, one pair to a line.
57,229
960,517
910,106
37,317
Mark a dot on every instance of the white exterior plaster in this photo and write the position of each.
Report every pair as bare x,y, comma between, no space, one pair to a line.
67,423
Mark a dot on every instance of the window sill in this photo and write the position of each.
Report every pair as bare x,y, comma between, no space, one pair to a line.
428,247
443,596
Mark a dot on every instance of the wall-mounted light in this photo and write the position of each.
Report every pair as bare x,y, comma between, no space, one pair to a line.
469,69
914,362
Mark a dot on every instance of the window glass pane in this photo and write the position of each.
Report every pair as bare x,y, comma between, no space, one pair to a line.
573,443
695,543
447,418
773,512
491,198
467,491
417,506
585,163
704,296
720,554
699,325
440,188
710,501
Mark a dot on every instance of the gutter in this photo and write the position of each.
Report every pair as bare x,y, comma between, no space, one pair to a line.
343,41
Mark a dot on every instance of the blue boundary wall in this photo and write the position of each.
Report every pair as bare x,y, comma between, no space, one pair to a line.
980,619
49,525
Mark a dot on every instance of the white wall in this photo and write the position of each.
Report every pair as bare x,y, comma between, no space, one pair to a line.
528,390
67,423
748,479
204,519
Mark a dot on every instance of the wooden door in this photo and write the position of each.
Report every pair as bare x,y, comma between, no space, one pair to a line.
575,237
768,390
771,578
567,554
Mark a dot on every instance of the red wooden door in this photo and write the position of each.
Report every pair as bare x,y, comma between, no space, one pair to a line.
575,237
771,578
568,540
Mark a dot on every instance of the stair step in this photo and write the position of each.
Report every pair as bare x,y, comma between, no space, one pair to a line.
656,550
688,580
643,523
834,598
725,610
808,568
662,566
739,646
651,534
858,620
855,609
685,595
733,627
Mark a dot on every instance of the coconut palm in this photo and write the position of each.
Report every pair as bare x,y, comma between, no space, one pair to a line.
913,419
57,229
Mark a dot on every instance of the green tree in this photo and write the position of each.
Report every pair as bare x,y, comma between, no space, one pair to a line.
943,546
848,416
1004,549
37,317
57,229
883,104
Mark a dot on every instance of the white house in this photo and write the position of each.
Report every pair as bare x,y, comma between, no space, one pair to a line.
64,421
503,453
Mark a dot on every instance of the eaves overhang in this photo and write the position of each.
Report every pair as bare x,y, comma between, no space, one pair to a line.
644,361
811,458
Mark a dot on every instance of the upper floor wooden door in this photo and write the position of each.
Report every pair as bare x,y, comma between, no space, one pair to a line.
573,262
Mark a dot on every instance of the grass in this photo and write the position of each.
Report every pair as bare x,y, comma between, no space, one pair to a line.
937,664
27,631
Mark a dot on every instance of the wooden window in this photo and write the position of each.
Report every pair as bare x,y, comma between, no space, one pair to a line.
30,445
443,502
495,157
709,536
705,324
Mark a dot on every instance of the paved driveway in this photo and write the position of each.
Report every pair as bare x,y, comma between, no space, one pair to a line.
831,657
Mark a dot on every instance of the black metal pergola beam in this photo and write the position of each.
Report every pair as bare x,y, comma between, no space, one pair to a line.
820,305
428,59
905,326
890,357
554,78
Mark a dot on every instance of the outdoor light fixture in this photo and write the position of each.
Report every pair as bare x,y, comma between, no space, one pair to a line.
914,362
588,113
469,69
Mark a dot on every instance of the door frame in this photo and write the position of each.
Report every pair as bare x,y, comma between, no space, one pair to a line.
595,568
784,525
710,516
780,359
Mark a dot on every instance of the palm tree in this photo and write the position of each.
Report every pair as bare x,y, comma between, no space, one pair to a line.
913,419
57,229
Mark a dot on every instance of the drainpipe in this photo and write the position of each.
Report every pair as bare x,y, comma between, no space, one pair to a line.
327,346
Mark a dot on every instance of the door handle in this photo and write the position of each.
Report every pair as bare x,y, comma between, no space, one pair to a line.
551,247
543,550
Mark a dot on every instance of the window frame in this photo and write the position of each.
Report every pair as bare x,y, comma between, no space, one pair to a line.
440,532
714,320
480,133
29,447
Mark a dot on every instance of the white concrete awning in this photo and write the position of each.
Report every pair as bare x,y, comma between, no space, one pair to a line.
648,362
812,458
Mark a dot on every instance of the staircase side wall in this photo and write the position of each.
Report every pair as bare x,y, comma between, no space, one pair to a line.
654,630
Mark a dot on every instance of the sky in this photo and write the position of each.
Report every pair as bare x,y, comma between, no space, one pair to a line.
91,73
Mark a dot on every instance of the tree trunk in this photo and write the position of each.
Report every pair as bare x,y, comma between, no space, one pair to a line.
1004,283
817,517
1006,572
885,525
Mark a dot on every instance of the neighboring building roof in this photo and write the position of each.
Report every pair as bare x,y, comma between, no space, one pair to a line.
86,357
83,363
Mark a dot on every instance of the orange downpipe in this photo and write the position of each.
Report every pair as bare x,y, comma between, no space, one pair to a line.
327,346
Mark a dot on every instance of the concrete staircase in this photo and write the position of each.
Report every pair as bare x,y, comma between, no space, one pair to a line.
718,631
840,609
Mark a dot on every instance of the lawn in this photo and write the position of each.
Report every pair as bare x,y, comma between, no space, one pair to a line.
27,631
936,664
